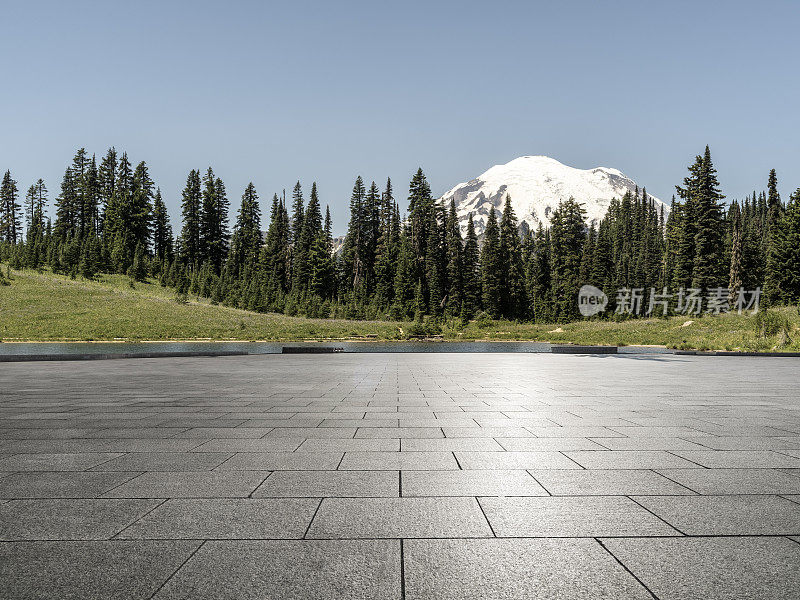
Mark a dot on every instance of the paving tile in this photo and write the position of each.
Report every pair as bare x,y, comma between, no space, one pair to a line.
554,444
34,446
740,459
165,461
470,483
644,443
515,569
571,517
351,445
229,518
665,431
56,462
190,484
601,482
748,443
490,432
515,460
150,445
573,432
451,444
60,484
399,432
250,445
208,433
282,461
311,433
307,569
97,570
330,484
735,481
69,519
137,432
395,461
755,568
344,518
629,459
726,515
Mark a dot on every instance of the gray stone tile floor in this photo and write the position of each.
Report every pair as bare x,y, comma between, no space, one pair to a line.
418,476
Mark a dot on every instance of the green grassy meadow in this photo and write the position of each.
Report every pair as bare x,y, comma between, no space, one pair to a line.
41,306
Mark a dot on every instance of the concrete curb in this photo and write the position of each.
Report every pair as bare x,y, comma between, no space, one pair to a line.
112,356
572,349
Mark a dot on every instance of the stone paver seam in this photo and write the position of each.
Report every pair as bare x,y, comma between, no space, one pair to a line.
403,570
224,461
112,488
539,482
660,474
657,516
488,522
689,459
250,495
624,566
136,520
595,440
340,461
188,558
314,516
91,469
563,453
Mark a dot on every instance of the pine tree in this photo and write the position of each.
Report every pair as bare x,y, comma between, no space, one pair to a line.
191,206
10,227
492,268
353,250
162,230
139,212
329,273
67,210
311,236
214,234
735,272
405,280
471,273
246,241
386,250
80,167
709,225
106,185
513,297
298,212
539,276
434,271
275,254
790,268
567,235
454,258
420,209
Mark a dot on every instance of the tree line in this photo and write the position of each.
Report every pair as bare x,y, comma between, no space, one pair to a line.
109,217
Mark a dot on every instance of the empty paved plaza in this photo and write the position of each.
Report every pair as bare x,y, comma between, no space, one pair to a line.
388,476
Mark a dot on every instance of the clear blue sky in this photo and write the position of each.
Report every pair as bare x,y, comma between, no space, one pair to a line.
276,92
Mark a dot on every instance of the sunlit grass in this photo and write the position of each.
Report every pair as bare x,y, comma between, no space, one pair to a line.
41,306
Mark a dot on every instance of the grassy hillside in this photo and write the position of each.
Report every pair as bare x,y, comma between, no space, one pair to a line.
46,307
43,306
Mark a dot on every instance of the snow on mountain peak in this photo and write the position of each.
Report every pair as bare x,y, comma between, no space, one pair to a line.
536,185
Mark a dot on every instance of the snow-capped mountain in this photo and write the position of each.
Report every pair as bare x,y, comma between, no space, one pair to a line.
536,185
